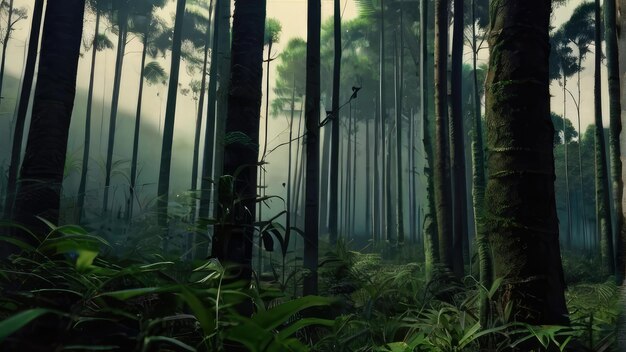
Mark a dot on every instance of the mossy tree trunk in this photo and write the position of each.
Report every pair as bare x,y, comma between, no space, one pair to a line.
456,139
431,241
520,207
603,203
232,242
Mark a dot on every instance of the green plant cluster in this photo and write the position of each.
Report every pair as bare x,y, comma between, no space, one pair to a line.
68,294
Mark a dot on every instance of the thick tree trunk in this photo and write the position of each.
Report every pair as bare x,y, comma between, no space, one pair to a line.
603,203
232,243
168,125
312,116
456,139
615,129
520,206
22,108
443,194
41,174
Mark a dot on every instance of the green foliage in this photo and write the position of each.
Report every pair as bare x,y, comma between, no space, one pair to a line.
272,31
66,294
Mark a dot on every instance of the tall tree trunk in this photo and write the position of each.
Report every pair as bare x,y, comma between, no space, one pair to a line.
134,158
41,174
312,115
206,183
325,181
168,125
615,129
383,118
443,194
224,82
603,203
80,204
122,23
354,177
348,172
580,159
289,171
297,205
478,183
22,109
368,184
5,45
399,168
198,130
232,242
568,201
456,139
376,186
520,204
334,158
431,240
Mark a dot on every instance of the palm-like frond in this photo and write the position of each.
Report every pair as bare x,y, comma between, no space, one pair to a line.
154,73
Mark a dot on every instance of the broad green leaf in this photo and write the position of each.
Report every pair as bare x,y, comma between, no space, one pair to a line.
134,292
148,340
276,316
85,259
19,320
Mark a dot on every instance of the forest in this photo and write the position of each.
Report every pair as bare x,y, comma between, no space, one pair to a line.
312,175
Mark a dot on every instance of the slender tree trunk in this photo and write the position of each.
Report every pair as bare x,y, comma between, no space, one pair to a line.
223,74
389,228
325,181
41,174
399,167
381,105
568,201
431,240
198,130
206,183
456,139
22,109
297,206
520,204
168,125
615,129
603,203
376,186
134,158
7,37
368,184
478,183
312,113
443,194
262,172
334,158
232,242
354,175
289,167
122,23
580,159
348,172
